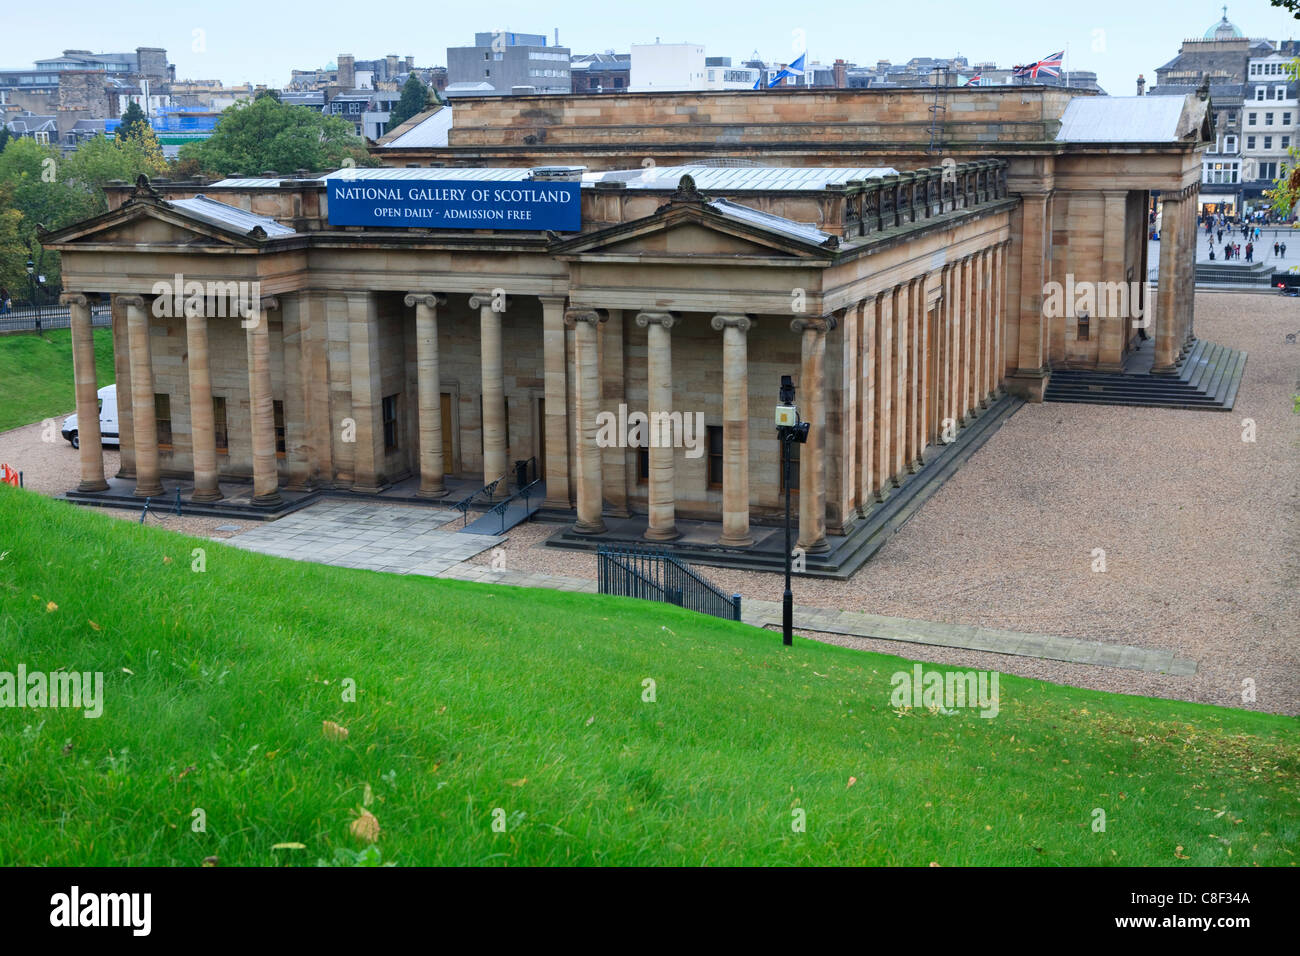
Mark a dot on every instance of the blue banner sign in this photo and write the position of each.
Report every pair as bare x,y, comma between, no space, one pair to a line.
455,204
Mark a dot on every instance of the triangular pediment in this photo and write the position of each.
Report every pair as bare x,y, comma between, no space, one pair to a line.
702,228
151,222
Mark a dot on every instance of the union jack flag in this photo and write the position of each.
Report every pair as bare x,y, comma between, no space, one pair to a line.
1048,66
975,80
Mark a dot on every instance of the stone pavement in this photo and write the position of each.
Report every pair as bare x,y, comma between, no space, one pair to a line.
350,534
404,540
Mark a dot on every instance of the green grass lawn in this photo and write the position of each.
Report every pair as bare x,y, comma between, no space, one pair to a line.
477,703
36,374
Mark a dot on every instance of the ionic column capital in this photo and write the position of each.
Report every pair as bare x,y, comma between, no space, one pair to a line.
724,321
74,298
666,319
591,317
823,324
430,299
488,300
132,301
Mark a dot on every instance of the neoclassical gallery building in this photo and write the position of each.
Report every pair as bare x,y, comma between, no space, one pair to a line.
413,331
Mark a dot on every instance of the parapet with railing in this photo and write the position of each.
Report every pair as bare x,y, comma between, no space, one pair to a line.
874,206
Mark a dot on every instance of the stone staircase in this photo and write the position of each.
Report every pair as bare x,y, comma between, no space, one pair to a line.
1208,378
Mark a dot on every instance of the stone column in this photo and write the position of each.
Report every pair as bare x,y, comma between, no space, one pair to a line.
659,364
867,399
943,344
812,457
915,376
735,429
1171,253
1110,334
87,388
587,452
428,386
261,404
899,433
979,288
999,307
367,448
1030,379
884,409
986,327
203,434
495,439
147,481
556,425
968,305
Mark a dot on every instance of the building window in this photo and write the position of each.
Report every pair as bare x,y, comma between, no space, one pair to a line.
715,455
1250,142
1268,119
1229,144
390,422
1286,119
1259,92
642,465
1082,327
219,425
162,410
1232,116
794,466
277,409
1279,92
1286,142
1252,119
1268,142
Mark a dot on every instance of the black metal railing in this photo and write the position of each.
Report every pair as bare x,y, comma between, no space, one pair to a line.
659,576
24,317
526,492
464,504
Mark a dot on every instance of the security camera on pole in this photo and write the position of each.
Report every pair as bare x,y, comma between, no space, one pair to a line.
789,428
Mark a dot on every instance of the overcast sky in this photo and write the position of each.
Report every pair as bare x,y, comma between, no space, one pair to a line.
239,40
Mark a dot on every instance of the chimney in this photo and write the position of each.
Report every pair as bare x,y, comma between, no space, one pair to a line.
841,71
347,71
1142,85
410,64
557,36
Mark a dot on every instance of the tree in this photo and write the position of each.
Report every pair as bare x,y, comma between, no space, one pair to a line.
266,134
415,98
1285,194
134,123
1290,6
273,94
5,136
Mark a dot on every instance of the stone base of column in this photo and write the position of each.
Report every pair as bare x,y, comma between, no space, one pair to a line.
1108,367
432,493
582,527
268,500
366,489
93,486
662,534
206,496
914,466
743,541
817,547
881,494
148,491
1029,383
1164,369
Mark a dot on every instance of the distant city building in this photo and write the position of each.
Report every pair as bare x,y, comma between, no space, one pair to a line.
959,71
1254,107
503,63
607,72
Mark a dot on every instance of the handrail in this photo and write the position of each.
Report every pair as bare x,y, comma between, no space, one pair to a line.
525,492
463,505
659,576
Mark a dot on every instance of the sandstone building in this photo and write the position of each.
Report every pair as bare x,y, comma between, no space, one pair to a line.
726,239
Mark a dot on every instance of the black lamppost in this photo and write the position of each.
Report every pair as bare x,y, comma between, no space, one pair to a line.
31,289
789,429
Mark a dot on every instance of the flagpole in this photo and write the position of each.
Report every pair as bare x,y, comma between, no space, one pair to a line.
1066,64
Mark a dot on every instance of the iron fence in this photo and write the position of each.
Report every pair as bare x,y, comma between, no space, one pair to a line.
659,576
23,318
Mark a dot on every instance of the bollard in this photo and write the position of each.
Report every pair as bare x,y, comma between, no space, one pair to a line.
146,509
178,502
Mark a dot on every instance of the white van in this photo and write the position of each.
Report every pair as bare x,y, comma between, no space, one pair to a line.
107,419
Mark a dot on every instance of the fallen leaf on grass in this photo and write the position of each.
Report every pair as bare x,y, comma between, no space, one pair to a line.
852,781
289,846
517,783
51,607
1178,853
334,731
93,624
365,827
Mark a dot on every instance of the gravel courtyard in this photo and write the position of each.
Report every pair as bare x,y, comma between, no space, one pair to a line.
1200,529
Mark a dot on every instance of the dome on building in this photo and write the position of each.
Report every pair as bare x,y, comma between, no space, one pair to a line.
1223,30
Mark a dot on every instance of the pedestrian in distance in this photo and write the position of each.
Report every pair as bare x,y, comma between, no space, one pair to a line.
1275,249
1220,234
1250,251
6,304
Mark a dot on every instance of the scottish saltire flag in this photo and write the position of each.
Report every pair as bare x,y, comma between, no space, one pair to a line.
794,69
1048,66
